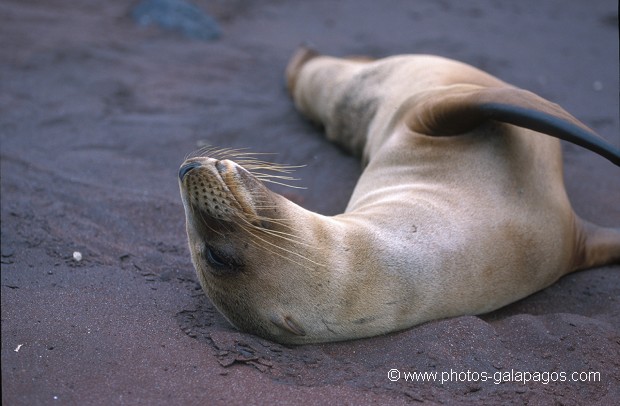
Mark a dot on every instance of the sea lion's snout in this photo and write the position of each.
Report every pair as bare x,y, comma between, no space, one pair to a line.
187,167
203,183
223,190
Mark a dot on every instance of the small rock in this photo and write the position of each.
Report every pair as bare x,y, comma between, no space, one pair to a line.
177,15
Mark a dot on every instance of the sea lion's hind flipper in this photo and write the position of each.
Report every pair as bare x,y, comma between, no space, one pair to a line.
302,55
595,246
457,109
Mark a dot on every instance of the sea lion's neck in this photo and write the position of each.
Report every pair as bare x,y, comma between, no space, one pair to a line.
348,257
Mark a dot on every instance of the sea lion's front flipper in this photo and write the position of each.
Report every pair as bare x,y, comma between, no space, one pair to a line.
454,110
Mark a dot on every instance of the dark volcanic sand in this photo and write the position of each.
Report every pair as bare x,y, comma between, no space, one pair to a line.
96,115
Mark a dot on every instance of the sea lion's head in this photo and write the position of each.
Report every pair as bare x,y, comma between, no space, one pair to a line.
254,264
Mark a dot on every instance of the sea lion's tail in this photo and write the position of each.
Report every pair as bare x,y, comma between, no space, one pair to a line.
457,109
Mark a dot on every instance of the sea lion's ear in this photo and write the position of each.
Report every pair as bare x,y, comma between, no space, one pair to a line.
288,323
454,110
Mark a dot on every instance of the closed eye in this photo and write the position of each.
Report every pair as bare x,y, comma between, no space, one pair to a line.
215,259
221,263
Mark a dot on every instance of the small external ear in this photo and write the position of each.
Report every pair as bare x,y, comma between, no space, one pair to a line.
454,110
302,55
288,323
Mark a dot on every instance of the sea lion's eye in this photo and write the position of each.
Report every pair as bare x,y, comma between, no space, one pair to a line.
221,263
215,260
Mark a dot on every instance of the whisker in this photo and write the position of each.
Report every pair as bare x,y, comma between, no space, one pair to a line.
279,234
250,161
285,250
263,230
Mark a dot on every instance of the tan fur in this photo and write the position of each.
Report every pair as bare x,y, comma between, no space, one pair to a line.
436,226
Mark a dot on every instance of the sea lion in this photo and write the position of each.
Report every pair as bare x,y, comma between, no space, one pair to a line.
461,207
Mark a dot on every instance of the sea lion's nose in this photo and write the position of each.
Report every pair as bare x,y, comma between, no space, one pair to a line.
186,168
